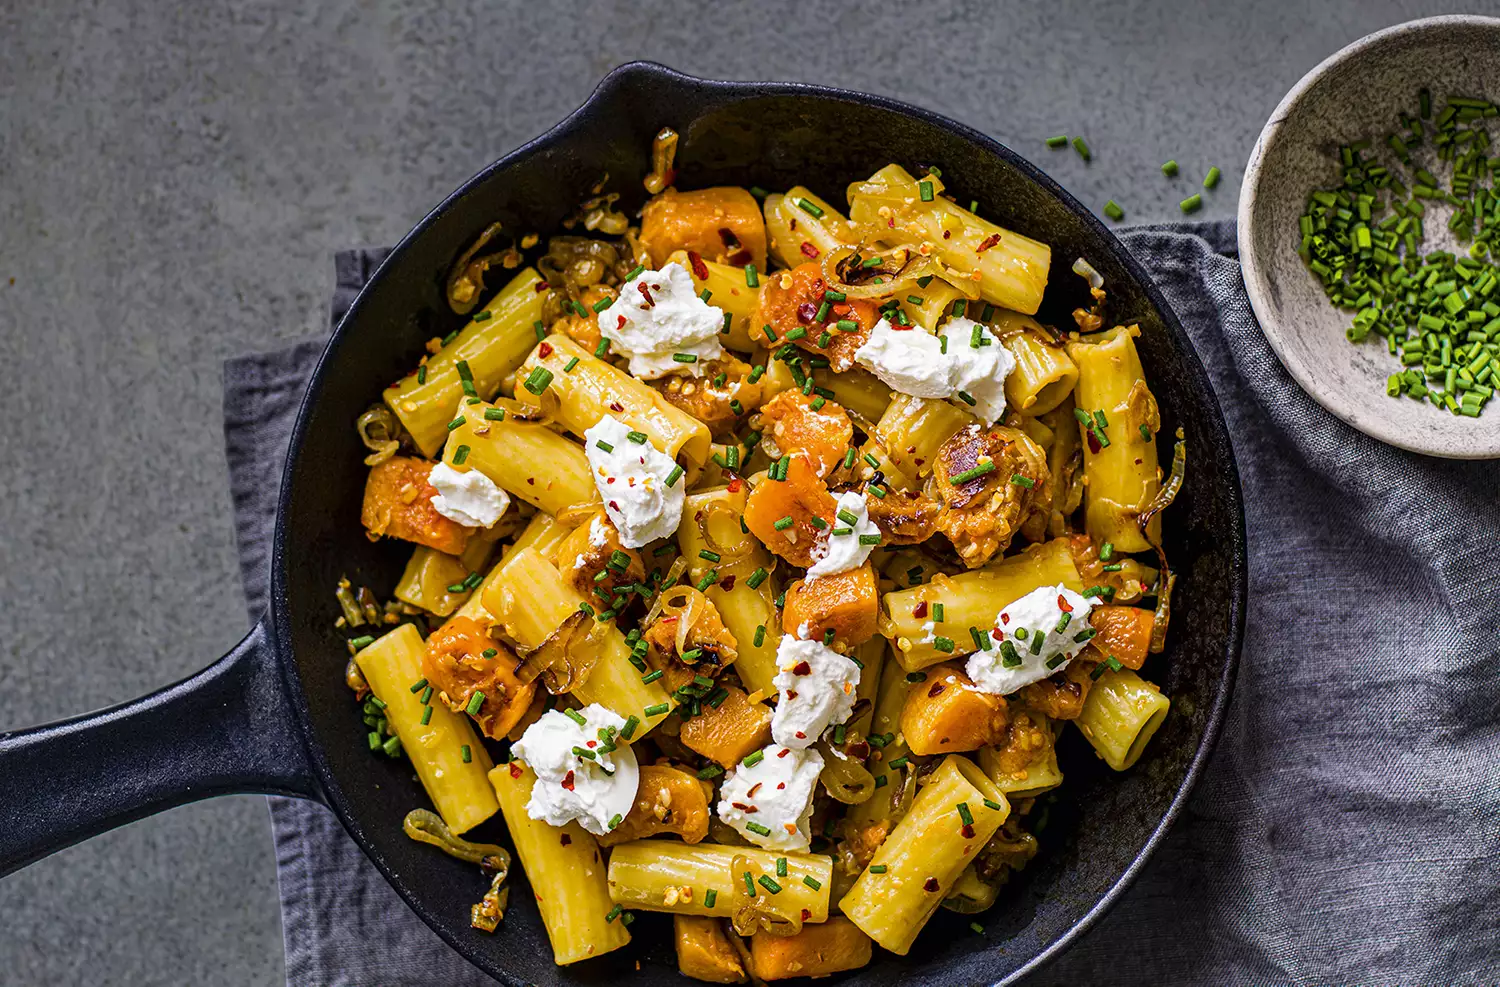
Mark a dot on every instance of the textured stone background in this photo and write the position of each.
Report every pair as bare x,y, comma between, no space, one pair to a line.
173,180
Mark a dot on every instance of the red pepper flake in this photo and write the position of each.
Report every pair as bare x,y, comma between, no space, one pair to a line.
616,406
700,269
809,250
542,286
794,225
1093,441
567,840
997,634
784,752
622,323
806,312
609,479
780,784
747,809
531,480
801,735
753,789
859,750
567,781
989,242
791,693
935,690
593,743
727,583
1063,604
947,234
646,294
1005,618
515,770
930,885
967,832
802,668
806,914
736,485
612,503
920,610
544,350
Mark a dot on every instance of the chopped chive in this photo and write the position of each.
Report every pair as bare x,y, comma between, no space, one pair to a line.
709,897
418,686
426,715
1082,147
972,473
1113,211
674,476
924,189
639,438
628,730
769,884
869,539
1022,481
538,380
878,868
1169,169
652,677
568,367
1212,178
993,806
760,634
812,882
759,830
656,710
613,913
601,349
475,701
1059,140
684,358
809,207
455,423
1192,203
575,716
783,523
710,772
603,303
494,414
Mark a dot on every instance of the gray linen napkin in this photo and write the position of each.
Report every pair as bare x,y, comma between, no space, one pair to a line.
1348,827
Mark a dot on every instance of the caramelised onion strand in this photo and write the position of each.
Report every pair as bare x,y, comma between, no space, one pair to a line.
1166,579
674,573
844,777
567,656
756,912
426,826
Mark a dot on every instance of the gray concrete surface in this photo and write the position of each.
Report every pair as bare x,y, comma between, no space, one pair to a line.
173,180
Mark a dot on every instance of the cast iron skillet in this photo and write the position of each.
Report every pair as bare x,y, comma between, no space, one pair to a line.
274,714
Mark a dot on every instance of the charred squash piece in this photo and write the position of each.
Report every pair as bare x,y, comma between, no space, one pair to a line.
904,517
1124,632
704,951
398,504
1061,696
946,714
710,399
593,548
981,515
462,659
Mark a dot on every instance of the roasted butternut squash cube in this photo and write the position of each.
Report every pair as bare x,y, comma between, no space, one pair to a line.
462,659
1124,632
946,713
667,800
398,504
793,300
729,732
801,497
718,224
812,425
594,547
1061,696
704,952
817,951
846,603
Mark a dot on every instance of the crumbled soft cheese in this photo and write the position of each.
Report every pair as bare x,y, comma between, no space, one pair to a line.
468,497
658,315
570,786
912,361
1039,612
632,481
817,687
776,794
978,371
836,553
909,360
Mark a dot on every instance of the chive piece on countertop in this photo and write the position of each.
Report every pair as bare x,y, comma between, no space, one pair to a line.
1082,147
1192,203
1113,211
1212,178
1057,141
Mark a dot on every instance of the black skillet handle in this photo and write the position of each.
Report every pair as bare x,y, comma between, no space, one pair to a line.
227,729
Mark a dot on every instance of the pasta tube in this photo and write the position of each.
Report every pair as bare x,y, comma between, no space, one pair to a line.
934,302
594,388
1011,268
667,876
526,459
1044,374
886,722
730,291
1120,716
871,656
913,429
457,787
1122,477
435,581
856,389
565,871
711,522
492,345
531,600
543,533
1041,775
970,600
952,818
800,233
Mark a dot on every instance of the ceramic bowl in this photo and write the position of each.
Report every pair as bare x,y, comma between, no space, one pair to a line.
1358,92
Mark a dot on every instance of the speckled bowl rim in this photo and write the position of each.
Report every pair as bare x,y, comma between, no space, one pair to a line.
1257,285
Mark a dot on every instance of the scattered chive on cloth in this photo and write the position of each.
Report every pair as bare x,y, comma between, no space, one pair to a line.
1347,829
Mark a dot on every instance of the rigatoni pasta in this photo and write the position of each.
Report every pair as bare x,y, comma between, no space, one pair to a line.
810,536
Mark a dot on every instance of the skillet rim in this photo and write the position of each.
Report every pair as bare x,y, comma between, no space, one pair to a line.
623,76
